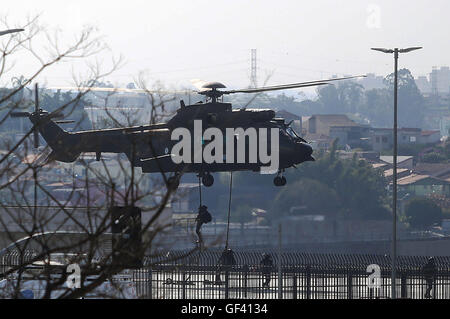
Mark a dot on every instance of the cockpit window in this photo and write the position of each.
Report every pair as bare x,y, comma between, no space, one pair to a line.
291,132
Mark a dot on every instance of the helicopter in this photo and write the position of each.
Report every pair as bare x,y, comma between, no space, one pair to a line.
150,147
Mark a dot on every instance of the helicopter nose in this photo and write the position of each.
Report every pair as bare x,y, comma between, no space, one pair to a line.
305,152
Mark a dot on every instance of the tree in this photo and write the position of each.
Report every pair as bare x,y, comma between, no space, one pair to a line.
74,110
242,214
422,213
411,106
62,211
317,197
434,157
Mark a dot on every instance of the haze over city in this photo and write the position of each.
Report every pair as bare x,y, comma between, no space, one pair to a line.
176,41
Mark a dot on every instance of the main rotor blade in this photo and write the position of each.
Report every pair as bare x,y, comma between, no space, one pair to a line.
19,114
290,86
198,83
117,90
11,31
155,158
64,122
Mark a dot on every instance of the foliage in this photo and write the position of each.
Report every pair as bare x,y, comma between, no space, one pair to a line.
350,97
242,214
422,213
74,109
305,192
434,157
338,188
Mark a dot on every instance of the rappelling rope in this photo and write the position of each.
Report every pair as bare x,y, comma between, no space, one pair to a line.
229,210
200,190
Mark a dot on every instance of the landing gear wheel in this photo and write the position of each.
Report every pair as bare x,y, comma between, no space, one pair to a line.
173,182
208,180
280,181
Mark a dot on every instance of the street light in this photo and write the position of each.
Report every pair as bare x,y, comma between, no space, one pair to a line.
396,51
11,31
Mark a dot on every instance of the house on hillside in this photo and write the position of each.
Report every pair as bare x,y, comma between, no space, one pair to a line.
423,185
332,126
402,161
430,137
439,170
383,138
401,172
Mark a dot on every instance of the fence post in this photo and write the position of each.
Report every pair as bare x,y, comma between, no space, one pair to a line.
150,284
403,286
227,275
349,285
294,288
184,285
308,282
245,280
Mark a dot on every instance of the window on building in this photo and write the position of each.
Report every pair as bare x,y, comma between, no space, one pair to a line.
384,139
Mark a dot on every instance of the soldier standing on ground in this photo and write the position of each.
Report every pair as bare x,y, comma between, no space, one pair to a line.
429,271
226,261
266,268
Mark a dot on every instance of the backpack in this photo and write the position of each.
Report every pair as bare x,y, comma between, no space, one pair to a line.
207,217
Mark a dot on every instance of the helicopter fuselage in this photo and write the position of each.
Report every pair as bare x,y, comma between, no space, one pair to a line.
150,147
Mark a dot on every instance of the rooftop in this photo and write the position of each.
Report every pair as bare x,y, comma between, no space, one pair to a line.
390,159
432,169
335,119
414,178
428,133
400,171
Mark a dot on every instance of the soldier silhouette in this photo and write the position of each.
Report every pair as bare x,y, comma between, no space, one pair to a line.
203,217
266,264
429,271
226,261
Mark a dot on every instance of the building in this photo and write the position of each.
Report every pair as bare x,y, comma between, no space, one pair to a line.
402,161
372,81
440,80
430,137
322,129
438,170
423,84
355,136
321,124
423,185
401,172
383,138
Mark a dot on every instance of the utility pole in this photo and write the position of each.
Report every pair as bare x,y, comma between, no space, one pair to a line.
396,51
253,76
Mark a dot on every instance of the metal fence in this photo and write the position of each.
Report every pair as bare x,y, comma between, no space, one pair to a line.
179,275
201,275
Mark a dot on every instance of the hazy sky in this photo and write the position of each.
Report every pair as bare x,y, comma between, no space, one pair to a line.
178,40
